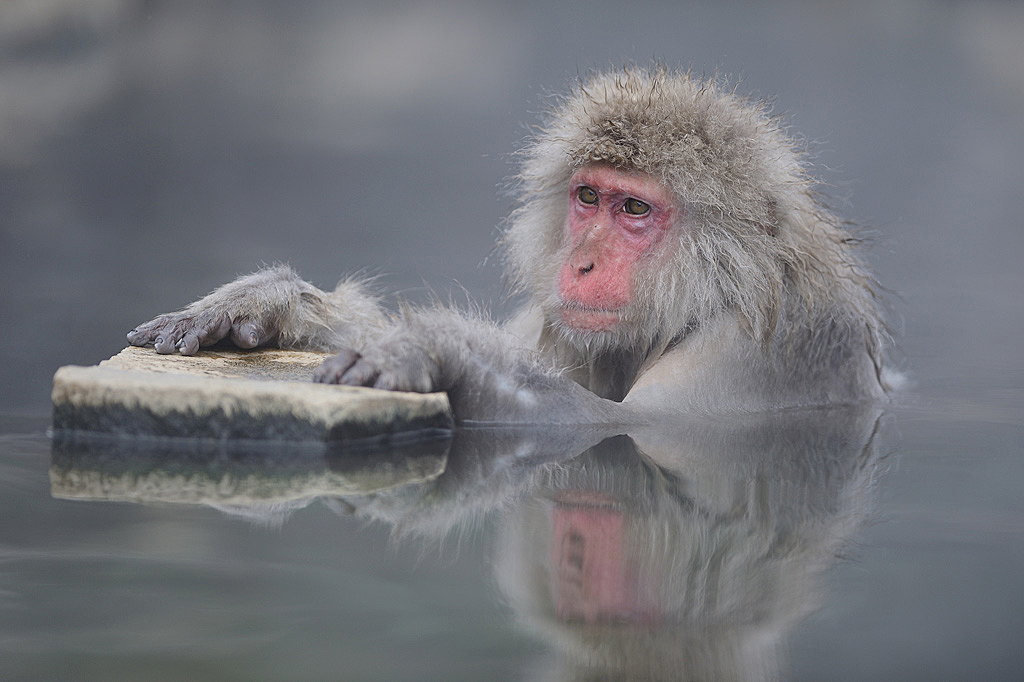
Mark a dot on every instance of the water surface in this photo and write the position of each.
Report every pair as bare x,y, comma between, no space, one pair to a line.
849,545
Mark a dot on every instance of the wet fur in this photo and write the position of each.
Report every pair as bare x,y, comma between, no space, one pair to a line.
761,302
755,241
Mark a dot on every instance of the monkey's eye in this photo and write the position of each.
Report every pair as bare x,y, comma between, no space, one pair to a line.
635,207
587,195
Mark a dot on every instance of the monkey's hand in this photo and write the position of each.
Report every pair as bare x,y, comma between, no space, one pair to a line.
487,375
272,306
248,311
385,367
187,331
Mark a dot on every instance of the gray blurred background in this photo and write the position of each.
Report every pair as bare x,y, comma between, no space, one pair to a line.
151,150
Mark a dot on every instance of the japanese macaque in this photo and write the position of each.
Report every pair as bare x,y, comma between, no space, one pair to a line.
674,257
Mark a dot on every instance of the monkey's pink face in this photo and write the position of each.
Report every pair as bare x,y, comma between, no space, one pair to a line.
617,222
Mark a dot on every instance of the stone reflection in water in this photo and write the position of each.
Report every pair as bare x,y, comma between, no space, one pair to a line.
262,480
680,551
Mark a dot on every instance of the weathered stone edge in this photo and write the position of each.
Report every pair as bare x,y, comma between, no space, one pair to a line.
109,400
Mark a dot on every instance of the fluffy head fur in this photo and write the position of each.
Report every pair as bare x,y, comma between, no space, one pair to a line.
752,238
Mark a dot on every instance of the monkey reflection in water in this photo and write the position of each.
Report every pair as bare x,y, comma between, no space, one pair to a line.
683,551
673,256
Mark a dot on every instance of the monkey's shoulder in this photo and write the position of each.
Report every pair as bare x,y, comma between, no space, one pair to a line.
721,368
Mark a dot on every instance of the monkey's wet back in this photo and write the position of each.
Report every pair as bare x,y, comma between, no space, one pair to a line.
258,395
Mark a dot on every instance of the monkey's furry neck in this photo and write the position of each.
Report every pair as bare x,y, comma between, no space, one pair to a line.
607,371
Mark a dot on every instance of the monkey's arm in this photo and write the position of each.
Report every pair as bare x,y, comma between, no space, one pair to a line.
488,374
272,306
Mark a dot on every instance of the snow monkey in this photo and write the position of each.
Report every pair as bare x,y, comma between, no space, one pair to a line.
673,256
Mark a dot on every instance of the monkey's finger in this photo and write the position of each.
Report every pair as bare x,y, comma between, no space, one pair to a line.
331,370
362,373
214,331
248,334
147,332
189,343
201,334
138,337
167,342
423,384
387,381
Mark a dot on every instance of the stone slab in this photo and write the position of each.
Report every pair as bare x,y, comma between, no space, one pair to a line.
222,394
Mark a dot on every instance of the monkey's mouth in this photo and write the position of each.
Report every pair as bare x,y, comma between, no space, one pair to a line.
593,580
590,318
